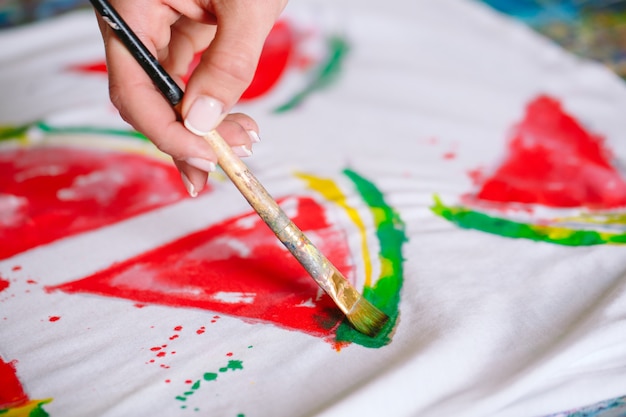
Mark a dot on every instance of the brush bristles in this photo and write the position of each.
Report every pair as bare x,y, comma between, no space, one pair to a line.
366,318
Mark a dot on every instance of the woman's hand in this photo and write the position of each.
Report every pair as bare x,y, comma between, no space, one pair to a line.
232,34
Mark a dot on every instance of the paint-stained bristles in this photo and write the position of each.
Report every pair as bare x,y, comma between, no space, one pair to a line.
366,318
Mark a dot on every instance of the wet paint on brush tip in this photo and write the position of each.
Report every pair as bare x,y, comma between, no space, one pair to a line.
390,231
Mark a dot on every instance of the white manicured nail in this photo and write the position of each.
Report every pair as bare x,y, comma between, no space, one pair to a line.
242,151
254,137
204,115
201,163
188,185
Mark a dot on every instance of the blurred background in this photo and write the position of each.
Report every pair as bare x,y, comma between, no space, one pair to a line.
594,29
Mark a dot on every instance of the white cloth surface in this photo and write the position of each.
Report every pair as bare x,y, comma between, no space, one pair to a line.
488,326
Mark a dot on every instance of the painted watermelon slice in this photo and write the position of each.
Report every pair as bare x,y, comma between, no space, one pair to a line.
557,183
552,160
13,399
51,192
237,267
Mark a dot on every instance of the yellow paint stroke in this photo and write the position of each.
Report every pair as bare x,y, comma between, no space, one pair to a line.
330,191
31,408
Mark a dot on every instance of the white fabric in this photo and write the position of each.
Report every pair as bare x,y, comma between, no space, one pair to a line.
488,326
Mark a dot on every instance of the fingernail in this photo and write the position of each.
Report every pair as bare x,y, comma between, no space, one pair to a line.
254,137
204,115
242,151
188,185
201,163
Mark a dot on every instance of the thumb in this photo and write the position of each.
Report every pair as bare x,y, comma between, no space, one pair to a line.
226,68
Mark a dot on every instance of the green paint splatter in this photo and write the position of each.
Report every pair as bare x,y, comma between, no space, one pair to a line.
468,219
385,294
210,376
328,71
232,365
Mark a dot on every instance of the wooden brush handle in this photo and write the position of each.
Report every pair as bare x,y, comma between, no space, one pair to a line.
315,263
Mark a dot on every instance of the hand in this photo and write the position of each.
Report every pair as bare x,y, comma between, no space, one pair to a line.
232,34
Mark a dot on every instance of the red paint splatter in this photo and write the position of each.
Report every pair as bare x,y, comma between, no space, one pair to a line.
167,381
4,284
16,268
477,175
156,348
237,267
175,336
449,155
31,281
552,160
200,330
54,318
12,394
229,354
47,193
178,328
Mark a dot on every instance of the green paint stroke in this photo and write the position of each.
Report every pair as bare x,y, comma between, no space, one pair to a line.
385,293
233,365
9,132
468,219
327,73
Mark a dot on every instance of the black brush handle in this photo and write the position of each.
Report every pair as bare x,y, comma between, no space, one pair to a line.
172,92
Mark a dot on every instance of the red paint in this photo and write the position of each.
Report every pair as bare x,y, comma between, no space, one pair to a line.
12,394
16,268
4,284
98,67
552,160
178,328
48,193
31,281
200,330
174,337
239,256
154,349
54,318
274,60
449,155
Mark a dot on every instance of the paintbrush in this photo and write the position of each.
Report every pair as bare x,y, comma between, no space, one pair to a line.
362,314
